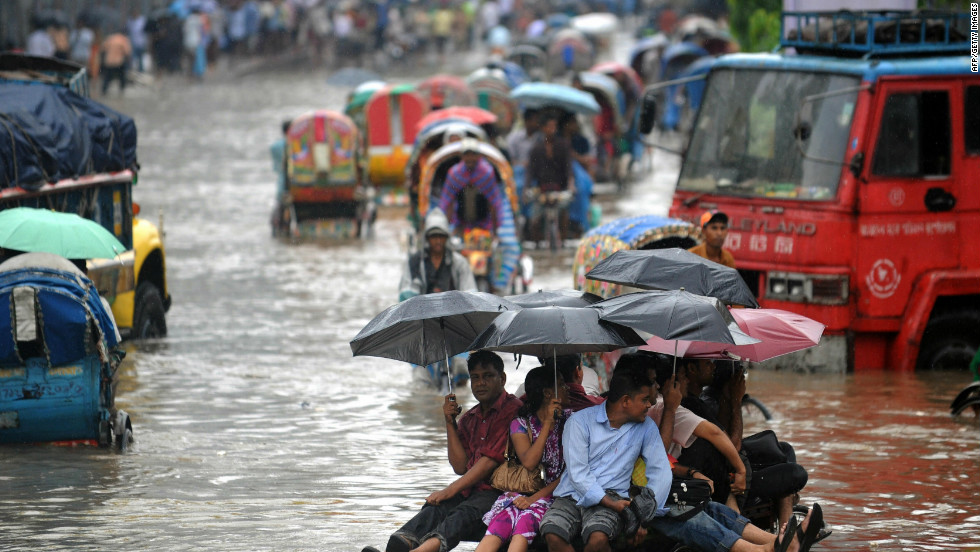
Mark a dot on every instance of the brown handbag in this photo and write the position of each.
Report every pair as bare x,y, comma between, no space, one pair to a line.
511,475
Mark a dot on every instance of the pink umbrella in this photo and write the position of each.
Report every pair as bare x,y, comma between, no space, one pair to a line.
780,332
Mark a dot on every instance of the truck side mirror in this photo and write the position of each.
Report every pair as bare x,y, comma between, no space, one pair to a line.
803,131
856,164
648,112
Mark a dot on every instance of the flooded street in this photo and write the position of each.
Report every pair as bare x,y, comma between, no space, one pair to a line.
256,430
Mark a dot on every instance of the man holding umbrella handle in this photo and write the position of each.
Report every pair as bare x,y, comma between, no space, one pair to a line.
476,446
451,409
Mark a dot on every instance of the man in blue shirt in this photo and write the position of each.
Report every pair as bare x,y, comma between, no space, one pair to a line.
601,444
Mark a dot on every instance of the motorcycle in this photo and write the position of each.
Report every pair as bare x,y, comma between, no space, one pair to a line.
549,220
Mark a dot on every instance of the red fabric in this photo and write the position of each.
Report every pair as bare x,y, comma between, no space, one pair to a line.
579,399
604,122
486,435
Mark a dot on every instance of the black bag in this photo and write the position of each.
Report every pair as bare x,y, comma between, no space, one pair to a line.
763,449
687,497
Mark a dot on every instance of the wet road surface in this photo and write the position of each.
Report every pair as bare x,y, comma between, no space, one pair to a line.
256,429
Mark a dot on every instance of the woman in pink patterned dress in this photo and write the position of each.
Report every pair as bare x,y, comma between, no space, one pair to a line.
535,436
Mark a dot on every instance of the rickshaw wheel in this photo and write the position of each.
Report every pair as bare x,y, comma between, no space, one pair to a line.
124,439
753,406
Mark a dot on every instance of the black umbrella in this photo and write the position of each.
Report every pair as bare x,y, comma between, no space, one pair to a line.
50,18
674,268
675,315
429,328
104,18
554,298
553,331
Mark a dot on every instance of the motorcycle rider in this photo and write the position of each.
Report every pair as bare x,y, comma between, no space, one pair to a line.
549,169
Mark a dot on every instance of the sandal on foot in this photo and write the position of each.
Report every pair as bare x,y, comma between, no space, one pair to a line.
809,537
782,541
400,542
822,534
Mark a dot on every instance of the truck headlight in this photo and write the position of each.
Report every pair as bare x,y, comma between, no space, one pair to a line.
825,289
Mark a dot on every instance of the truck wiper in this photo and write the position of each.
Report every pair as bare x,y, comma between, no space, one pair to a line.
691,200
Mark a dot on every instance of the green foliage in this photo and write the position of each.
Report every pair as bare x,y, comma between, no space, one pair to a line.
763,33
755,23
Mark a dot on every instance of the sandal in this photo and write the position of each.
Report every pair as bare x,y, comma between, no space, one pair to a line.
822,534
809,537
782,541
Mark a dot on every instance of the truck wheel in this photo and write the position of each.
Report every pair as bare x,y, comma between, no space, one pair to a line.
950,341
148,319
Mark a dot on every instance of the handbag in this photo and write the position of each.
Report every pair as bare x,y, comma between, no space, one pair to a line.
687,497
512,476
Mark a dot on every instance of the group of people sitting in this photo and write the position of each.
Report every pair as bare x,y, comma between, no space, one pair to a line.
610,464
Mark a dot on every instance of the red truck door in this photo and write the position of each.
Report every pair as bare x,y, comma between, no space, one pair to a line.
910,204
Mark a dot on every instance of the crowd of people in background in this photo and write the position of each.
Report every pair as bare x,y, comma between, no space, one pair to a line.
190,36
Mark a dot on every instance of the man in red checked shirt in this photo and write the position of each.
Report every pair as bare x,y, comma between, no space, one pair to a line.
476,447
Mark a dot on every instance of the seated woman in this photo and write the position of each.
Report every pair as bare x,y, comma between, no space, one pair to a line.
536,439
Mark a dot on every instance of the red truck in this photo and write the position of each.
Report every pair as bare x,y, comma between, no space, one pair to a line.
850,172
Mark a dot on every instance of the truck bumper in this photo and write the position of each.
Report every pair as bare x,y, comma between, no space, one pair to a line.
830,356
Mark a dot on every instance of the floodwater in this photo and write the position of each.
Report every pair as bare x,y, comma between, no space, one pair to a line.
256,429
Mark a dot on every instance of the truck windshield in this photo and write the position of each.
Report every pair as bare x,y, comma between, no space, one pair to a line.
743,141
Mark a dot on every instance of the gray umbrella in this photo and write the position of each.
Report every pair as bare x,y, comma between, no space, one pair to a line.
674,268
554,298
553,331
674,315
429,328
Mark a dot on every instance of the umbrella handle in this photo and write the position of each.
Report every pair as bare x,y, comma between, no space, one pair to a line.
674,375
554,358
445,348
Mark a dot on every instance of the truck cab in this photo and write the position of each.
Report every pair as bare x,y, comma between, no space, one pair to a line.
847,164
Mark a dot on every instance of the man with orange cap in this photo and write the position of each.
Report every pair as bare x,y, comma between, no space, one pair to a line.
714,230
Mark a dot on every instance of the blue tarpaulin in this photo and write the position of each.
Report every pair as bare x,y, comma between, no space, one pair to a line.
50,133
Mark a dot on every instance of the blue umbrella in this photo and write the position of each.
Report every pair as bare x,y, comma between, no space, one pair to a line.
512,73
546,94
516,75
